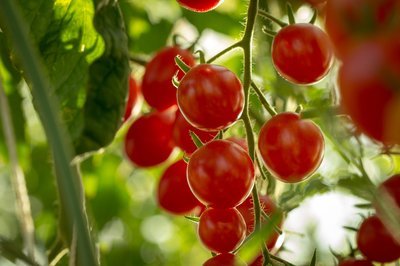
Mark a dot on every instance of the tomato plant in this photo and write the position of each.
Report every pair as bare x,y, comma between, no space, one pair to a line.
210,97
221,230
224,259
157,87
221,174
133,95
173,193
302,53
355,262
148,141
200,6
291,148
375,242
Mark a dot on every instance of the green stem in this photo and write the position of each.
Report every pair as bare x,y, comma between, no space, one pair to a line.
229,48
138,60
266,15
263,100
47,108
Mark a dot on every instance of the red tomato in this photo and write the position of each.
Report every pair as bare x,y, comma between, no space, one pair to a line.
355,262
225,259
369,83
221,230
157,87
200,6
221,174
350,23
302,53
291,148
134,91
210,97
181,134
247,211
174,194
240,141
392,187
148,141
375,242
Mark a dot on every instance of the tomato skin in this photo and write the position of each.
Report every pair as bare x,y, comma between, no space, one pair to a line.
148,141
221,230
221,174
181,134
375,242
355,262
392,187
291,148
240,141
157,87
269,207
174,194
368,82
200,6
133,95
210,97
224,259
350,23
302,53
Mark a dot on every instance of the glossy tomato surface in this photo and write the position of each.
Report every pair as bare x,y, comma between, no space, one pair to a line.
221,174
200,6
157,87
181,134
375,242
148,141
392,187
133,95
225,259
355,262
269,207
221,230
302,53
350,23
174,194
369,85
210,97
291,148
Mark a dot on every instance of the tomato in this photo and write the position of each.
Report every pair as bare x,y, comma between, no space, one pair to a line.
269,207
355,262
224,259
375,242
221,230
181,134
240,141
350,23
200,6
302,53
157,87
291,148
148,141
369,84
210,97
133,95
392,187
174,194
221,174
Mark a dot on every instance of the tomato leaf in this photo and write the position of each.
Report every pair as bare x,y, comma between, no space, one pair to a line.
314,258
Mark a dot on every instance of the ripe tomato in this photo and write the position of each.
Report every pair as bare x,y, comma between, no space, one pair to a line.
269,207
174,194
225,259
181,134
221,230
375,242
240,141
355,262
157,87
210,97
350,23
291,148
133,95
302,53
369,84
392,187
148,141
221,174
200,6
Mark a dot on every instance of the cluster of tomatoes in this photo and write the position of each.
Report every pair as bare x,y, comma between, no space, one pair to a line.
217,175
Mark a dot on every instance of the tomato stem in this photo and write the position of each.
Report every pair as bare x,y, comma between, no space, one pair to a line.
227,49
263,100
265,14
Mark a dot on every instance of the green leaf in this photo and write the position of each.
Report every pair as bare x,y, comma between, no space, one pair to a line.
194,219
314,258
